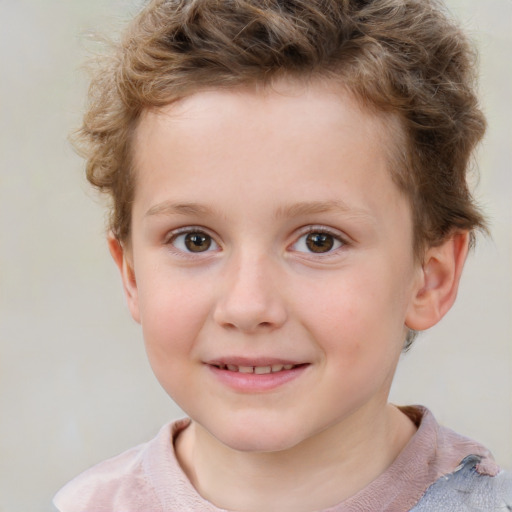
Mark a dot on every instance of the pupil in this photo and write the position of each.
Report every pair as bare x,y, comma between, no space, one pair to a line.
197,242
319,242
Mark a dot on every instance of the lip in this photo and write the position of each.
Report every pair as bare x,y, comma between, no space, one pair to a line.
254,382
252,361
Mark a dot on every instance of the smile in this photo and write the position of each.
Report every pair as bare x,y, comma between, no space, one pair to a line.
262,376
258,370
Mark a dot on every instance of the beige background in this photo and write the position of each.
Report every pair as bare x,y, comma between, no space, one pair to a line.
75,387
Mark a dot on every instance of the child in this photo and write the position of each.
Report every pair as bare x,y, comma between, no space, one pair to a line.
289,207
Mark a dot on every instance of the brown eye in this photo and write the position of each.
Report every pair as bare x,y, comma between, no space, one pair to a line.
193,242
197,242
319,242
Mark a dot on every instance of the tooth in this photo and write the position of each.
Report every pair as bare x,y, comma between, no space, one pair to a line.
262,369
232,368
277,367
246,369
288,366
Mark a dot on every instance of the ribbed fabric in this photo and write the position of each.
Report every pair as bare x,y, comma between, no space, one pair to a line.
148,478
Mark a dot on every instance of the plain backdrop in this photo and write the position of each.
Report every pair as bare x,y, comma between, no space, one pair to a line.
75,386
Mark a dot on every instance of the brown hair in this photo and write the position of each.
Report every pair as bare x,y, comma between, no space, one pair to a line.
403,57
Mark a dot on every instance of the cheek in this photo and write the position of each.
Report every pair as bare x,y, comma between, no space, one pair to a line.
172,315
357,317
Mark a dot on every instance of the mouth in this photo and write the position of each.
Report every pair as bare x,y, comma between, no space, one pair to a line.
258,370
256,376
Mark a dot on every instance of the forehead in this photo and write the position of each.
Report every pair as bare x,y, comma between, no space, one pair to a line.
290,137
272,109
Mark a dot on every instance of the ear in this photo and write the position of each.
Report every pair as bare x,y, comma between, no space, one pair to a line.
438,282
123,259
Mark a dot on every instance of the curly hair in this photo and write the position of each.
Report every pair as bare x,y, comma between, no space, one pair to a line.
407,58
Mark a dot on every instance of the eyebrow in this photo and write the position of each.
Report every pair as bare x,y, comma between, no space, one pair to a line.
169,208
300,209
315,207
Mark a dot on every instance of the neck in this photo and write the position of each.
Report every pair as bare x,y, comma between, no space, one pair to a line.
318,473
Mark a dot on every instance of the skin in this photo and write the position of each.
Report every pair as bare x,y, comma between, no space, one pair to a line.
259,173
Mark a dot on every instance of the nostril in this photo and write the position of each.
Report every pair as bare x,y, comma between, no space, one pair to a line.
241,308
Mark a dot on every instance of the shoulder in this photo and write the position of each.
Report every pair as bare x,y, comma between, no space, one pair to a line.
459,473
124,482
469,488
107,485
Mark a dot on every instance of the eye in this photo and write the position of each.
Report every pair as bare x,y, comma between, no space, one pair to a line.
194,241
318,242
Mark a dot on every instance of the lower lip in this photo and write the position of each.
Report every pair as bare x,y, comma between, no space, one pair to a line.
257,383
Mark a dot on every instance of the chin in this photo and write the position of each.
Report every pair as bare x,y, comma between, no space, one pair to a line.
257,445
258,437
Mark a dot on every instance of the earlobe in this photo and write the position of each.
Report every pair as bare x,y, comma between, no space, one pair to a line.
123,260
439,281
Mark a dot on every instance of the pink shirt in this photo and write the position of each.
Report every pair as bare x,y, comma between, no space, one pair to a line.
148,478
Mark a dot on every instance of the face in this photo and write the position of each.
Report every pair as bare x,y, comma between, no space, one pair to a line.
271,262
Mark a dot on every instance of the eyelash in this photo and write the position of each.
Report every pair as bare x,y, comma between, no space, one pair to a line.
338,241
190,230
336,236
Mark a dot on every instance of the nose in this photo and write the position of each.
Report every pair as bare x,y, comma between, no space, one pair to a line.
251,299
